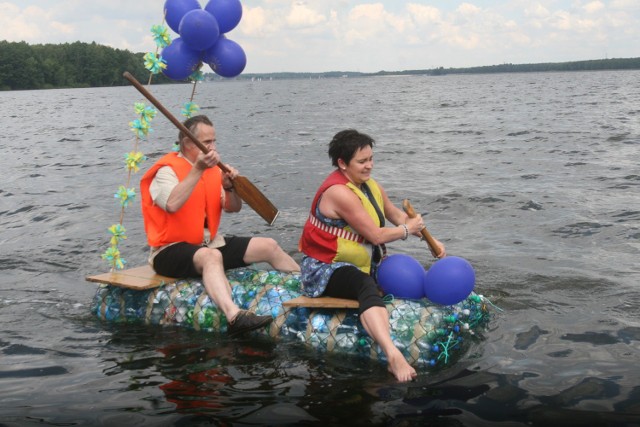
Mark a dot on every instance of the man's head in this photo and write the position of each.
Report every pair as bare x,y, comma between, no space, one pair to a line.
202,128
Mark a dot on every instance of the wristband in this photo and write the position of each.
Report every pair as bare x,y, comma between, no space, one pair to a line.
406,231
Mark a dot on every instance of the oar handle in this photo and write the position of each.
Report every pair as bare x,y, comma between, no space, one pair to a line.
127,75
406,205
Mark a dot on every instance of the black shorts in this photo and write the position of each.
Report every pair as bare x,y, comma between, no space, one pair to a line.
351,283
177,260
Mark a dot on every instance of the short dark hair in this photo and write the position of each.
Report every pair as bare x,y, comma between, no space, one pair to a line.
345,144
191,123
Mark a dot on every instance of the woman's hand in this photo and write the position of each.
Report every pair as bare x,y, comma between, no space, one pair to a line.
415,225
440,247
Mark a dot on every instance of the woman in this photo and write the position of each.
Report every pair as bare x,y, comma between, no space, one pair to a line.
343,239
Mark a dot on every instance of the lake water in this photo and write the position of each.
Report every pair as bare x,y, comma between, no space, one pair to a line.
533,178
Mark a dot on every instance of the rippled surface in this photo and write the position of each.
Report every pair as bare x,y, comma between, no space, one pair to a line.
533,178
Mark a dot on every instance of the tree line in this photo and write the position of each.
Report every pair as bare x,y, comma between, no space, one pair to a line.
590,65
68,65
79,64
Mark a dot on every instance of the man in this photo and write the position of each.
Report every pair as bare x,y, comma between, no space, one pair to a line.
181,192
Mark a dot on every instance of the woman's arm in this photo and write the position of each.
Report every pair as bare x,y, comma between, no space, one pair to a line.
339,202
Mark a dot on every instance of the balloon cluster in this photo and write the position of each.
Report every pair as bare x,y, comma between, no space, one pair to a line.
449,280
203,38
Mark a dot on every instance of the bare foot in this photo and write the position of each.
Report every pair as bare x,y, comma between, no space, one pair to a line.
400,368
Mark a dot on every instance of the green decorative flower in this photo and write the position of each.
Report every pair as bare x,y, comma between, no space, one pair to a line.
197,76
117,234
139,107
133,160
148,114
125,195
140,127
161,35
112,255
189,109
154,63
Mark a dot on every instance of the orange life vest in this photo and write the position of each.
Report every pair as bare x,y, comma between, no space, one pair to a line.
187,224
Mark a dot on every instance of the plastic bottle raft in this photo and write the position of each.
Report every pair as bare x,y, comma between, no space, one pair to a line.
427,334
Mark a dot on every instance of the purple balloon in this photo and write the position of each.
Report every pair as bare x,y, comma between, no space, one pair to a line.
226,58
199,29
182,61
174,11
402,276
227,12
449,280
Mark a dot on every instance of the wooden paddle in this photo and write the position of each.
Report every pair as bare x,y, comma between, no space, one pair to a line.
406,205
245,189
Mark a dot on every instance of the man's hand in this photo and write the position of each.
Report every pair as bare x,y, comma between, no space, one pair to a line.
227,177
209,160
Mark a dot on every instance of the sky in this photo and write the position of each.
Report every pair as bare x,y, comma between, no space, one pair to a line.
350,35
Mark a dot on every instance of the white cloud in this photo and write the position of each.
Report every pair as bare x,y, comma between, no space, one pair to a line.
468,10
536,10
367,35
302,16
567,22
424,15
255,22
30,24
593,7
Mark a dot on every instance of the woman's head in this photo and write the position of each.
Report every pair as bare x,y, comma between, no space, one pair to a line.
346,143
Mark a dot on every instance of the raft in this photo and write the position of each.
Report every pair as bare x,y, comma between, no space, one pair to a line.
429,335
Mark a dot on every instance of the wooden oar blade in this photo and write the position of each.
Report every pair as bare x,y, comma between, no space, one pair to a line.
255,199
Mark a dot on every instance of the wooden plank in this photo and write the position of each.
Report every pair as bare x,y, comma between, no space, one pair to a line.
321,302
134,278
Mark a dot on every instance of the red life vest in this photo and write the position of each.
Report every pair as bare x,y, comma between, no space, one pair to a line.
331,244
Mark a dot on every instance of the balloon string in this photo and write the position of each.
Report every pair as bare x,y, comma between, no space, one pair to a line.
193,91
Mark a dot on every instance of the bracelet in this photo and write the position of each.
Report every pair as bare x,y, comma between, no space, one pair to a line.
406,231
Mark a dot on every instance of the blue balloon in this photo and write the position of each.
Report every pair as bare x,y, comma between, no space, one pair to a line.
449,280
174,11
226,58
182,61
402,276
199,29
227,12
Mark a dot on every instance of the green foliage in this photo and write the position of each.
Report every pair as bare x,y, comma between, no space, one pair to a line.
78,64
591,65
24,66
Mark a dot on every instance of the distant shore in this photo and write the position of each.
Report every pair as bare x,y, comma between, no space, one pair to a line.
589,65
79,64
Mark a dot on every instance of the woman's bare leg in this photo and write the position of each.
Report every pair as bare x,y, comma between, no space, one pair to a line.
376,322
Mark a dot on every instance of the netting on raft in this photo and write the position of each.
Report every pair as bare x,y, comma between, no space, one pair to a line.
427,334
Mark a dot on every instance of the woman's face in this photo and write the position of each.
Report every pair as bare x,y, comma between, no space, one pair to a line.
359,168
